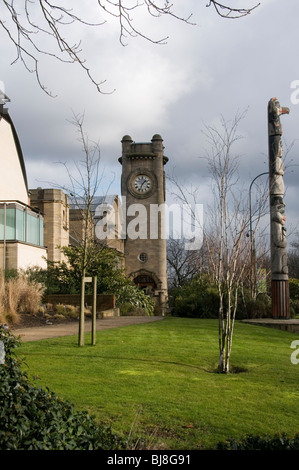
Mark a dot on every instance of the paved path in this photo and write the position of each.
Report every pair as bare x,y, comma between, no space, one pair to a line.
65,329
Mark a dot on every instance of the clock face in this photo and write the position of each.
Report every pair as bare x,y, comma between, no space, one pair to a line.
142,184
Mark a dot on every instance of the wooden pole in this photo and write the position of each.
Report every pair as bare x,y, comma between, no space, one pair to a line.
279,265
94,310
82,307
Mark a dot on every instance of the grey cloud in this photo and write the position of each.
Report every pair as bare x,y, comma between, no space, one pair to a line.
217,67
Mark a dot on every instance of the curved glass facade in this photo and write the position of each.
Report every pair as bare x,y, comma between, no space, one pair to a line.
19,222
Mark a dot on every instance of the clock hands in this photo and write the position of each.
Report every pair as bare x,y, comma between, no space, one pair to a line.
142,183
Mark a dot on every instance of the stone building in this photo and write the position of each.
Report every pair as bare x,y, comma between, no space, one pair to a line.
143,189
36,223
104,226
54,205
139,238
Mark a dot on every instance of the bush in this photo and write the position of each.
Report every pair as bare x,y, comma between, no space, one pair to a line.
294,307
131,299
251,442
66,311
35,419
294,289
197,298
256,308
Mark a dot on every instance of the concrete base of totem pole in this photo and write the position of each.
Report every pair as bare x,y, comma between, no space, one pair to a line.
280,299
291,325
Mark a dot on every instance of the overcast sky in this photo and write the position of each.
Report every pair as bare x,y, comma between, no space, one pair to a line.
217,67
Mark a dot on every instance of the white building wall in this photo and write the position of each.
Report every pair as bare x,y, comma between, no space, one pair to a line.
22,256
31,256
12,185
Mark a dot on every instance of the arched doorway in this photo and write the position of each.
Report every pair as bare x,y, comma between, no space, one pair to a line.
146,283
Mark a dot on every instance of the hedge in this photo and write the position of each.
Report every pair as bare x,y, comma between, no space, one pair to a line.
32,418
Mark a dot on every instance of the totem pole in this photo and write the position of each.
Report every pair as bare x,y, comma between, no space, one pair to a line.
279,266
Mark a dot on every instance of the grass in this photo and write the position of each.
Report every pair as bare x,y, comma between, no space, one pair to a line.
157,381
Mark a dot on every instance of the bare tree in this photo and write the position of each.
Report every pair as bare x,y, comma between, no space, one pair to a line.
183,264
226,228
230,226
38,28
82,191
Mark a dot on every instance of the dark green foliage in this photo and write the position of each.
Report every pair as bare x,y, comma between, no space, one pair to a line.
35,419
254,308
294,289
57,278
252,442
294,308
197,298
60,278
294,297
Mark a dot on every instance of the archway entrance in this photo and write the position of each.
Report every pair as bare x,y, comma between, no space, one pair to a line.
146,283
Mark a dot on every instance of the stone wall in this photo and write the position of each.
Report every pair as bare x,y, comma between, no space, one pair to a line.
104,301
53,203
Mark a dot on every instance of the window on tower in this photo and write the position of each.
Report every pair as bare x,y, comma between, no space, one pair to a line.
143,257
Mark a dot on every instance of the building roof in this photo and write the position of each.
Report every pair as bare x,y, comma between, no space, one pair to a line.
80,203
4,114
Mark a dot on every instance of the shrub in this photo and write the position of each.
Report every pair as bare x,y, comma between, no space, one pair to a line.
294,307
256,308
197,298
294,289
129,298
267,442
35,419
67,311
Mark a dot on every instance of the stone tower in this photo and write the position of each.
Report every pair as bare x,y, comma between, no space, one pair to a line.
54,205
143,193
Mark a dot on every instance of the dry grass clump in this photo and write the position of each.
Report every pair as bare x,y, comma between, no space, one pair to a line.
18,295
66,311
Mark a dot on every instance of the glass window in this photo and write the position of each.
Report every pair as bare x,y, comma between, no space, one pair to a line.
20,225
10,228
32,229
41,231
143,257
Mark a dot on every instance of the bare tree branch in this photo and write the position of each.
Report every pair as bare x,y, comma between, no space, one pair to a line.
30,24
231,13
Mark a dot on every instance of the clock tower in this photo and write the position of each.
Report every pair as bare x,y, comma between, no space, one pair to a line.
143,193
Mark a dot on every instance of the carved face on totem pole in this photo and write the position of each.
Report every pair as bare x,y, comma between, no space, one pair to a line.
278,210
278,237
276,167
274,113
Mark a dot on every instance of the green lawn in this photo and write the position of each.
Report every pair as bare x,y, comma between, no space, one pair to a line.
159,380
